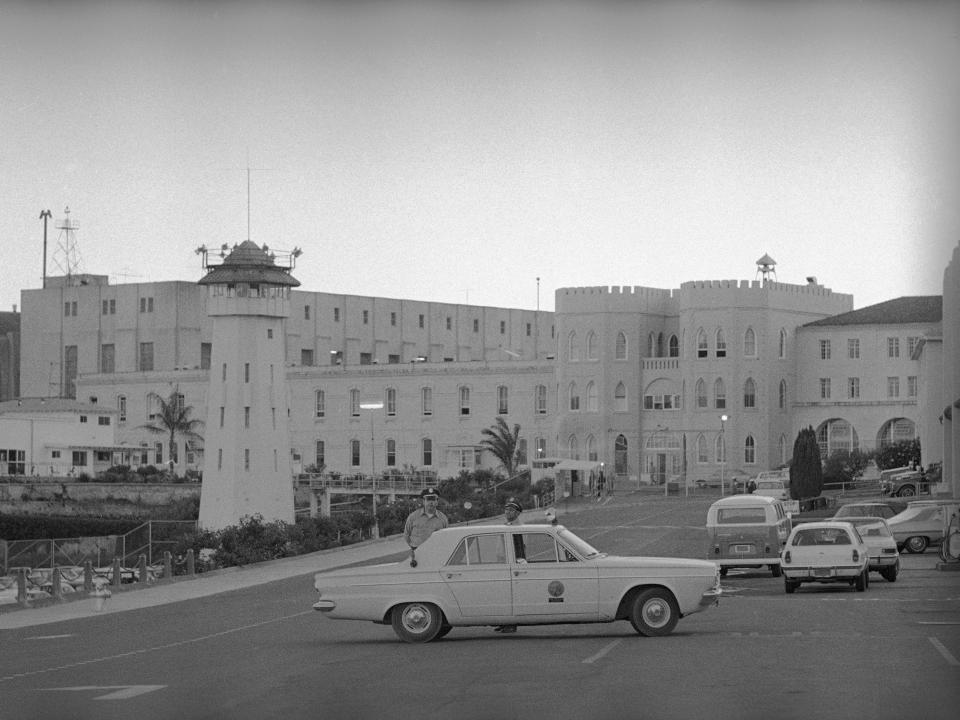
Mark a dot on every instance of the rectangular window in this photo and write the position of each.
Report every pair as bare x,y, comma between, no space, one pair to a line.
824,388
528,329
246,458
206,350
426,401
366,317
246,372
306,312
464,401
502,400
540,400
541,447
105,307
476,325
223,374
269,333
355,453
893,347
912,343
853,388
146,356
366,359
103,420
320,403
427,447
393,319
911,386
503,327
721,346
391,453
853,348
122,407
420,321
222,411
336,314
83,419
158,453
306,357
824,349
354,402
393,359
893,387
391,402
246,417
320,454
107,358
449,324
220,459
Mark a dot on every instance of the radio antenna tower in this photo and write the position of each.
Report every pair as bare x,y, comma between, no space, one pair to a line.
66,256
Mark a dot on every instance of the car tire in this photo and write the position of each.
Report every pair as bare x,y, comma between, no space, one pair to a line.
416,622
861,582
444,629
775,570
907,491
654,612
916,544
790,585
890,574
723,572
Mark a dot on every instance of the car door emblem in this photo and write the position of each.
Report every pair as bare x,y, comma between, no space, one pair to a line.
555,588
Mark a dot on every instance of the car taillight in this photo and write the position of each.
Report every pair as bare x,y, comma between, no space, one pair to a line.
856,555
716,549
786,557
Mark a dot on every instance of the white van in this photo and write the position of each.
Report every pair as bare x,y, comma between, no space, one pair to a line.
747,531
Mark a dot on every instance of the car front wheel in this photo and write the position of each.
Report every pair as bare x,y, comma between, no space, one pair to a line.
890,574
654,612
916,544
416,622
907,491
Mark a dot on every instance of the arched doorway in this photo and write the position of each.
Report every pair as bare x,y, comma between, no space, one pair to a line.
620,467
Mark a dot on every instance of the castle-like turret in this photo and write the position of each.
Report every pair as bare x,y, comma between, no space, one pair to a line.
246,469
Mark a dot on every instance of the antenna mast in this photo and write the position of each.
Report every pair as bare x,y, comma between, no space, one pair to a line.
67,256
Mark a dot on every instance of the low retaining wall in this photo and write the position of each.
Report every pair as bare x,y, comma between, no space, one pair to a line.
132,500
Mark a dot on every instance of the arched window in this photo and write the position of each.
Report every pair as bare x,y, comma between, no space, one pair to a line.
749,394
701,393
749,343
651,345
574,397
719,395
620,398
836,434
782,395
701,343
593,403
592,448
573,351
721,344
660,345
574,448
674,346
896,430
592,346
749,451
621,348
702,455
620,455
783,343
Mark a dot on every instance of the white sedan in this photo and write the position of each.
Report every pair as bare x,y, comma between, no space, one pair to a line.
504,575
884,556
825,552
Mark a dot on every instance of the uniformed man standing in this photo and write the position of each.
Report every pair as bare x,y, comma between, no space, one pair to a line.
511,512
422,522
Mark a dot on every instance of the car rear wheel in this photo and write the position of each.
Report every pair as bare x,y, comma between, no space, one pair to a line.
790,585
916,544
416,622
775,570
861,583
654,612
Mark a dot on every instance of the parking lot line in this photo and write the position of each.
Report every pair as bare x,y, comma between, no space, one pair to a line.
947,655
603,652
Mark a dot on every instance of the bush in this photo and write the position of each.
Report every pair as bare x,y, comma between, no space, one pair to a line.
901,454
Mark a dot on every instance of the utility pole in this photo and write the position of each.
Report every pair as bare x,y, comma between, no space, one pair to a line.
45,215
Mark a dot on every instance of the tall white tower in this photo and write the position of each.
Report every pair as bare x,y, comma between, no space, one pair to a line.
246,465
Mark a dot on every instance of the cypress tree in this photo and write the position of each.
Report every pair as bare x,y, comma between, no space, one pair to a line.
806,470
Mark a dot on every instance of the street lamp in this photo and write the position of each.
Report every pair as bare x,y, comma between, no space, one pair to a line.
373,462
723,450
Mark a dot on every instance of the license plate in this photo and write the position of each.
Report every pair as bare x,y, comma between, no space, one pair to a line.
822,572
743,548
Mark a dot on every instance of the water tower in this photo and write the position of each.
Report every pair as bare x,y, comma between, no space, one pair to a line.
246,462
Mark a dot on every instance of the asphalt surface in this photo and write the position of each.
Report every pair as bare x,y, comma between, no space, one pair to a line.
136,596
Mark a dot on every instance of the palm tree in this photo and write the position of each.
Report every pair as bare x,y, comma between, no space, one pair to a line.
173,418
503,443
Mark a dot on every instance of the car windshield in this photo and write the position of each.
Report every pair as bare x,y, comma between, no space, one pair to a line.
872,528
585,549
821,536
770,485
855,510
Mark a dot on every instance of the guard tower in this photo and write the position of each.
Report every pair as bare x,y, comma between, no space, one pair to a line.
766,268
246,465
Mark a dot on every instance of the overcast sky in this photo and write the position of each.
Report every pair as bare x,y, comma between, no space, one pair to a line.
456,151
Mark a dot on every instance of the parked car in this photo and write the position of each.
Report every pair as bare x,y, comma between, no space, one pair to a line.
885,509
922,524
747,531
772,487
884,556
517,575
903,482
825,552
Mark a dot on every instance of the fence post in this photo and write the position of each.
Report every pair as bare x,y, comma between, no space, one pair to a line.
116,572
167,565
22,586
87,575
191,563
142,569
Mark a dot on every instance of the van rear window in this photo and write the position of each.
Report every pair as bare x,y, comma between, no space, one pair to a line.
737,516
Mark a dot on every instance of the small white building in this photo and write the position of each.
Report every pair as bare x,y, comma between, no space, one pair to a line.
58,437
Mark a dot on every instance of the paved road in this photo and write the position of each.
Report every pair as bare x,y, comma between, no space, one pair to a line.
257,649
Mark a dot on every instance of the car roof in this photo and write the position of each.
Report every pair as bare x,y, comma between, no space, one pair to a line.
741,500
824,525
865,518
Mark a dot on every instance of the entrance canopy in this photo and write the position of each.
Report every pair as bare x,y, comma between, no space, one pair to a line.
583,465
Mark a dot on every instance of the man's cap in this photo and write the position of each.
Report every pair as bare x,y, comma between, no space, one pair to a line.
429,492
513,503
